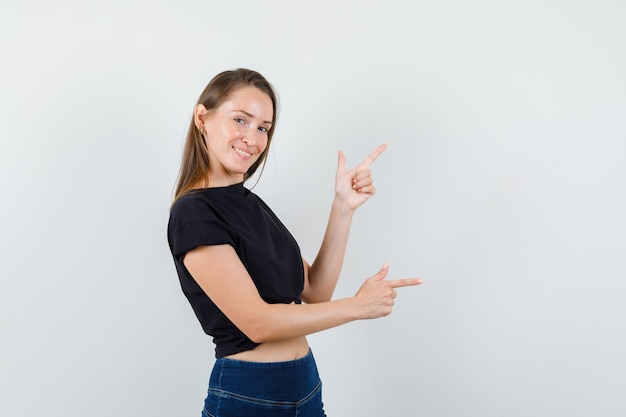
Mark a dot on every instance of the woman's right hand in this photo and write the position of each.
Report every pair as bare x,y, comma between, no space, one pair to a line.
376,296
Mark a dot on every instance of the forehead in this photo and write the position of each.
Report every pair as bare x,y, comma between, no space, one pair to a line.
250,100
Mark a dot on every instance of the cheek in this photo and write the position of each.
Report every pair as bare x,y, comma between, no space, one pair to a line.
262,144
230,132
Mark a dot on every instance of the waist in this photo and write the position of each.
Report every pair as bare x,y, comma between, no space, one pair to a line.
286,380
279,351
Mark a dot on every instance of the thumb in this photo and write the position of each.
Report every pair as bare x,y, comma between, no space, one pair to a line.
380,275
341,161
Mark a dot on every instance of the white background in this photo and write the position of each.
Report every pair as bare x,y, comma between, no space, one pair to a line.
504,186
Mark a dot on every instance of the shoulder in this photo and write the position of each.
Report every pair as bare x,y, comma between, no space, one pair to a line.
193,207
259,201
229,205
194,221
186,207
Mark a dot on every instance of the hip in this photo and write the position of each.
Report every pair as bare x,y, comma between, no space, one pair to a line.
286,388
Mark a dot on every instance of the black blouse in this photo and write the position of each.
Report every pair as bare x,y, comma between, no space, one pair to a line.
235,216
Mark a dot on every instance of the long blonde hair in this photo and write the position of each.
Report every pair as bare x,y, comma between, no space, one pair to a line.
194,166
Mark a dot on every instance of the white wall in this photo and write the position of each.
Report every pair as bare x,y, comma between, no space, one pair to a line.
503,186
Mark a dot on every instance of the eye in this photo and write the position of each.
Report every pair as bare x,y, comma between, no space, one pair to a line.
263,129
239,120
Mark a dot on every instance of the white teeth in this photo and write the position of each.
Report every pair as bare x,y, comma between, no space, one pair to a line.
242,152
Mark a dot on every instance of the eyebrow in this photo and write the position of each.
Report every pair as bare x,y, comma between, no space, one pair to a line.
252,116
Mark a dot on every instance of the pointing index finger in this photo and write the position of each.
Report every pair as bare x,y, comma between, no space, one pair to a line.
405,282
372,157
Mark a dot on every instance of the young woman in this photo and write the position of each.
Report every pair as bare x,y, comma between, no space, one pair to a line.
241,269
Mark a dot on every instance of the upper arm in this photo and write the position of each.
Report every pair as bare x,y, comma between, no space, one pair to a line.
313,291
306,291
220,273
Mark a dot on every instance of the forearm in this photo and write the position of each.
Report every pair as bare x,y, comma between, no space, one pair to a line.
239,299
352,189
283,321
273,322
326,267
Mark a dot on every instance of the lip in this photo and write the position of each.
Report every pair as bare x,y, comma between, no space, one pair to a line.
243,154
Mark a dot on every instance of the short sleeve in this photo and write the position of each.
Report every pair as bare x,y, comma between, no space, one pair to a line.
192,224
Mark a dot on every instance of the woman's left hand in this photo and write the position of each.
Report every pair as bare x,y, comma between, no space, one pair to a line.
355,187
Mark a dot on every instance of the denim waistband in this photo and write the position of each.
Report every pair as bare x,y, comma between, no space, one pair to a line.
284,381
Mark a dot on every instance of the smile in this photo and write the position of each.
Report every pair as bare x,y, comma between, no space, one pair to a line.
242,152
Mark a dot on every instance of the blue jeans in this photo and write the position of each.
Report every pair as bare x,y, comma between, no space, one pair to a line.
255,389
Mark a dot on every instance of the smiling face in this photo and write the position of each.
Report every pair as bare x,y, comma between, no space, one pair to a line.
235,133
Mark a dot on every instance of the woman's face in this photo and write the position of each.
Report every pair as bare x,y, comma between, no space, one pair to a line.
236,134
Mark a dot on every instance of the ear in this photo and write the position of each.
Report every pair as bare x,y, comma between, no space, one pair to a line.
199,115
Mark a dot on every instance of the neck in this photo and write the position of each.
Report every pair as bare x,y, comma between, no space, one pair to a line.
213,181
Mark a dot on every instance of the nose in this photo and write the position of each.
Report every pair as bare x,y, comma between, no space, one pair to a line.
249,137
248,140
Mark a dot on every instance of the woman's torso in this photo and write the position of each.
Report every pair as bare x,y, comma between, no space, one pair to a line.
266,248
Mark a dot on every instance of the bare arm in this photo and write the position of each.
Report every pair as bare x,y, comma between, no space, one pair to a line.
222,276
352,189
